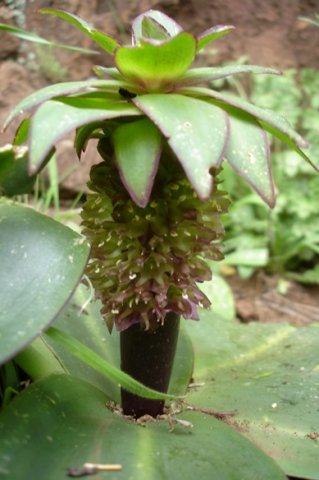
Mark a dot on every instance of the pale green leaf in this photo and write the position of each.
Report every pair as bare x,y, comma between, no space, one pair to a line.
41,263
213,34
156,66
196,131
104,41
58,89
55,119
33,37
204,74
137,152
164,22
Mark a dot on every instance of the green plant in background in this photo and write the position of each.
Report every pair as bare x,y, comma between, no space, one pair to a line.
286,239
152,220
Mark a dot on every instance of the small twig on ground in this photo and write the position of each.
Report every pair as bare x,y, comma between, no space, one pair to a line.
220,415
92,469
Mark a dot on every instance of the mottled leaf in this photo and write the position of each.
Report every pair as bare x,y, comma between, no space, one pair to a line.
196,131
104,41
137,151
164,22
155,66
41,263
248,153
213,34
53,120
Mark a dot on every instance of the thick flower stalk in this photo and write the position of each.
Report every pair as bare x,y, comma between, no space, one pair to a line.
153,216
146,262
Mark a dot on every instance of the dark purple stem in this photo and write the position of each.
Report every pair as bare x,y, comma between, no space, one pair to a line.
148,357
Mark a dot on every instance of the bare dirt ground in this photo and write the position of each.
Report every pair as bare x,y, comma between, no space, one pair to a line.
259,299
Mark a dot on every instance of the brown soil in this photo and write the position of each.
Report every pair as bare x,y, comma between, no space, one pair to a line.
259,299
268,32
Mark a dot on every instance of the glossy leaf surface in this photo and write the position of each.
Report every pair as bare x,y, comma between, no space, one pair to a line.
104,41
57,90
53,120
213,34
154,66
140,26
62,422
196,131
269,374
248,153
41,263
137,151
34,38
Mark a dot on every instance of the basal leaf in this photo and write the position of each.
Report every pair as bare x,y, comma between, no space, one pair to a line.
269,374
55,119
197,75
137,152
62,422
196,131
33,37
83,135
165,23
213,34
104,41
156,66
249,155
41,263
56,90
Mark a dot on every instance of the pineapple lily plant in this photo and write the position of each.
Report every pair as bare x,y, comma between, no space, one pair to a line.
152,218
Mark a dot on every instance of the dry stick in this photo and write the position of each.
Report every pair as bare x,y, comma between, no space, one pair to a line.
220,415
91,469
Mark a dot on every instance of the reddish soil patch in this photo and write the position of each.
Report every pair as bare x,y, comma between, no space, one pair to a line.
259,299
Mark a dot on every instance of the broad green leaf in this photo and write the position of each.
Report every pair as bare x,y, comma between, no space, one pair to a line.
248,153
196,131
156,66
204,74
41,263
108,370
248,257
144,25
213,34
104,41
62,422
33,37
64,88
82,320
14,177
278,125
270,375
55,119
137,148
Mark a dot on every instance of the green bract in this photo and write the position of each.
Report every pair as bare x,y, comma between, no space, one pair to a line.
152,97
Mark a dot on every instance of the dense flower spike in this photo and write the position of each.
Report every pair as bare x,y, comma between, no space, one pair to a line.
146,262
